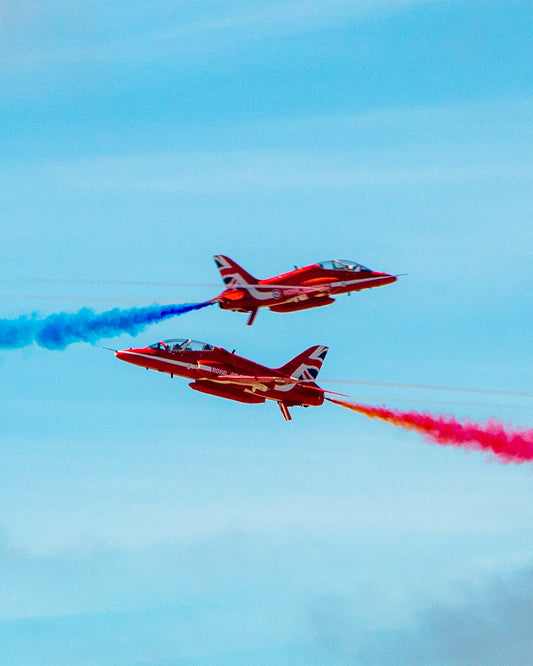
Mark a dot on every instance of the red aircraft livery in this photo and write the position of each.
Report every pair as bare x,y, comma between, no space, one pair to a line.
219,372
308,287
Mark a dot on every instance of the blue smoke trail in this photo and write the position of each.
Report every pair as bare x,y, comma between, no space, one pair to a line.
57,331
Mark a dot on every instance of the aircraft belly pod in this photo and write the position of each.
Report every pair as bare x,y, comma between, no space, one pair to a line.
295,306
239,395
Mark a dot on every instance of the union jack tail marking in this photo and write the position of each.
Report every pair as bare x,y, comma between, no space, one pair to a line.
232,274
306,365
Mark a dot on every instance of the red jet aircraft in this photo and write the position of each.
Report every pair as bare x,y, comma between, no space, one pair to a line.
308,287
219,372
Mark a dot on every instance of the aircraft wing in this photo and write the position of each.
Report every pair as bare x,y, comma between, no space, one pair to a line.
253,382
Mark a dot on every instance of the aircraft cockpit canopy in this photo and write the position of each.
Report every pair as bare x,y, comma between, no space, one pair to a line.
182,344
342,265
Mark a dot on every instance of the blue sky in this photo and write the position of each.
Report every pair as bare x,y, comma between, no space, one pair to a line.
141,522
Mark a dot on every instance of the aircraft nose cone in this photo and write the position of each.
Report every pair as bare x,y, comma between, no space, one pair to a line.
386,278
133,356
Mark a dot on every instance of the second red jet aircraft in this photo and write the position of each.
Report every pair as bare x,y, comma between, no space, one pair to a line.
308,287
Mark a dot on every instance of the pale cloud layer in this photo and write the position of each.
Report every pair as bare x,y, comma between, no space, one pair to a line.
488,625
435,146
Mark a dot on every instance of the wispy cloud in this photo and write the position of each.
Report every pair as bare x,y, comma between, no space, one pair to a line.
420,146
228,173
45,34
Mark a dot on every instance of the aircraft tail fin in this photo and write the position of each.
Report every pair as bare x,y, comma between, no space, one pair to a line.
232,274
306,365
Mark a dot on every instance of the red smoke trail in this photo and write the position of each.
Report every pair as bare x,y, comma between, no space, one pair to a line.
507,445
